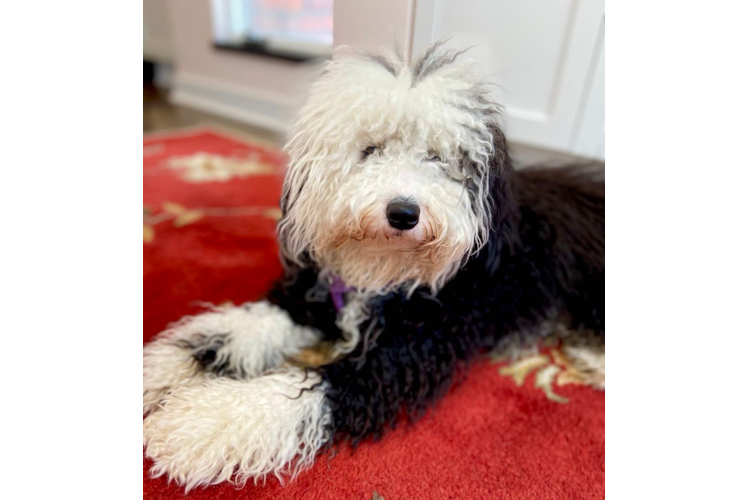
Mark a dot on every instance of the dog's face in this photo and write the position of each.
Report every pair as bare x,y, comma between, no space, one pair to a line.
390,170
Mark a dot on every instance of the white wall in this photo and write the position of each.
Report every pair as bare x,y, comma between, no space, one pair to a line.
156,31
374,24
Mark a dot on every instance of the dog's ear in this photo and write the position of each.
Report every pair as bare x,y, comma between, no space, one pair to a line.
292,259
503,233
284,226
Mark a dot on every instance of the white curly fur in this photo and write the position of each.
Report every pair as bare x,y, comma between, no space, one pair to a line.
223,428
257,337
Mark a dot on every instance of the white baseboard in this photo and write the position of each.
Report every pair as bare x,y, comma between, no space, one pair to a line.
163,77
255,107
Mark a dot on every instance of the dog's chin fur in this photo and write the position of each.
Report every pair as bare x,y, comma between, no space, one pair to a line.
370,255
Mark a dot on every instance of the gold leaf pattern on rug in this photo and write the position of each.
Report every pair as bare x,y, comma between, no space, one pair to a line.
273,213
172,208
551,370
148,233
520,369
544,380
585,365
569,375
208,167
377,496
188,217
182,216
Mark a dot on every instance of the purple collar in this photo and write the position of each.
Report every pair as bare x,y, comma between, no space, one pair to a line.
338,289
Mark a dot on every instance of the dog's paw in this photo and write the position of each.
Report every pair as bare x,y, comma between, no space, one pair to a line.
251,339
245,429
238,342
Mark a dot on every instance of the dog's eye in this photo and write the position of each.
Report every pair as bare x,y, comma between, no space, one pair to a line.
434,157
370,150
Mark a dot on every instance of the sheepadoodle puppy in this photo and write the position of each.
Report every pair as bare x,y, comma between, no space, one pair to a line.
411,247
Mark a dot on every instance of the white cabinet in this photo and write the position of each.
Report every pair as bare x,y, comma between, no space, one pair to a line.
547,58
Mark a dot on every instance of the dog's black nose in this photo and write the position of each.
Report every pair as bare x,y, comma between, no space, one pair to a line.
403,214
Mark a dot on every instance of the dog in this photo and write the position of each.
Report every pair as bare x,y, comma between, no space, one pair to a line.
411,247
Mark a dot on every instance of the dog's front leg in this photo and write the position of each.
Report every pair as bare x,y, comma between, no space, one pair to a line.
237,342
225,429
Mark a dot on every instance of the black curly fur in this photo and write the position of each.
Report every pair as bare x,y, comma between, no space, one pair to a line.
204,349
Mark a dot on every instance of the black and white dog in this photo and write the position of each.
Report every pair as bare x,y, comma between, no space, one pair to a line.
411,247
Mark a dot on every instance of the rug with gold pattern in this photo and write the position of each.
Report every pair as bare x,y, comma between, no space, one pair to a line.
528,427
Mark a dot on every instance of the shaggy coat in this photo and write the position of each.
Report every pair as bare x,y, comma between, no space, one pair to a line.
499,258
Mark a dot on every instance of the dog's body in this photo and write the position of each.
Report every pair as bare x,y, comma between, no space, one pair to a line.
445,251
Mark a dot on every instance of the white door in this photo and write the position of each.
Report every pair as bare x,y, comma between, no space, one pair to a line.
543,54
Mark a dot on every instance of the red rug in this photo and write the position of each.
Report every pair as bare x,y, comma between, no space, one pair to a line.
526,430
